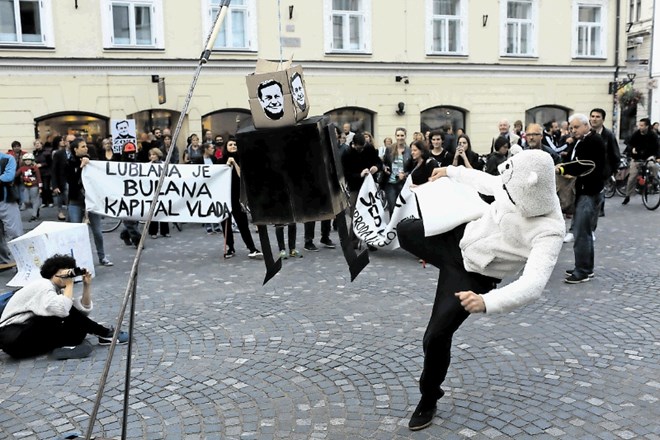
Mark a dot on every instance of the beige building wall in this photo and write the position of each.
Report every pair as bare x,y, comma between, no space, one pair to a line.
79,75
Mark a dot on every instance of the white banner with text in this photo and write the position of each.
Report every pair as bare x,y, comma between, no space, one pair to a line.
190,193
371,218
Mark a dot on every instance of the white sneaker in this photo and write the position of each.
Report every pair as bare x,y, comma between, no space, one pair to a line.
569,238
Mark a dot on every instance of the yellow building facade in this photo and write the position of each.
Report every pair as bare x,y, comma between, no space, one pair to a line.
73,66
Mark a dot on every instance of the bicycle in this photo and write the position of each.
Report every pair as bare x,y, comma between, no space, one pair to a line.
650,185
616,184
110,224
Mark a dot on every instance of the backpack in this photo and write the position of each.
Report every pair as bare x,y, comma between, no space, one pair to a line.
12,190
4,299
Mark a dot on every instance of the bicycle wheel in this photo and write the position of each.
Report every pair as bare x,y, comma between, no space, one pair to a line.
109,224
610,188
651,194
621,187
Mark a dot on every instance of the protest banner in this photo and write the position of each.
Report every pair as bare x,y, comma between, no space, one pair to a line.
371,219
445,204
31,249
124,135
190,193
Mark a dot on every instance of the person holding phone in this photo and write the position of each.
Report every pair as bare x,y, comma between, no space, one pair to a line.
45,316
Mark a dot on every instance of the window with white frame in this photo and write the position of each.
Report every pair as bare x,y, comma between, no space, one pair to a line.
133,24
239,28
447,31
348,26
26,23
589,18
519,28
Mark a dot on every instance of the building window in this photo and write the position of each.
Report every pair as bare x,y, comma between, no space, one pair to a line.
26,22
441,117
226,122
635,11
133,24
546,113
361,119
589,29
348,26
92,127
447,31
239,29
519,30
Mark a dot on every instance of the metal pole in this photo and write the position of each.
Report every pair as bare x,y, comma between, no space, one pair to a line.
129,356
132,280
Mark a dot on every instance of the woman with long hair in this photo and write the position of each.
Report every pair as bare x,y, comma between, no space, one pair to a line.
230,157
397,164
423,162
464,154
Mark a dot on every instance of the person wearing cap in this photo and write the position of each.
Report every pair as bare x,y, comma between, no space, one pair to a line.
29,178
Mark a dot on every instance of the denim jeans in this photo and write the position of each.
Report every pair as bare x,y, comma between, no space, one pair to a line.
586,211
76,213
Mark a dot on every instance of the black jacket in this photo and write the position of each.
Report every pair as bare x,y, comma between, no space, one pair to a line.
590,148
58,172
355,161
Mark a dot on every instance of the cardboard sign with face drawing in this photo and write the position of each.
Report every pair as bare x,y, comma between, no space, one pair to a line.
278,97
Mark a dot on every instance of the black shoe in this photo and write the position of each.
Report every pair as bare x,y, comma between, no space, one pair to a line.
570,272
122,337
230,253
423,415
311,247
572,279
79,351
135,241
625,200
126,237
327,243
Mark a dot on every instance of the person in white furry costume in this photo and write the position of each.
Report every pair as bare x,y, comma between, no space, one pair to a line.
523,229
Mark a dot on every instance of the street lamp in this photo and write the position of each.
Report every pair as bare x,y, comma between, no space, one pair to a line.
617,85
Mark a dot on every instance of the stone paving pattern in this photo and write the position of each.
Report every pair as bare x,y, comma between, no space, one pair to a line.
313,356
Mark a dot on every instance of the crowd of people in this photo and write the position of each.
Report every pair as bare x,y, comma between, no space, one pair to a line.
49,176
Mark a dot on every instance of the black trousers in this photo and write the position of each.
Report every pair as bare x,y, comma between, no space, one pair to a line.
442,251
243,227
309,230
279,234
42,334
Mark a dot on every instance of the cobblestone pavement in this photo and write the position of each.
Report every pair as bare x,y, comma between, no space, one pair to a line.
312,355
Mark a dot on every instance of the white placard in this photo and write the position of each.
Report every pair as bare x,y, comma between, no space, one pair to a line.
371,219
30,250
190,193
123,135
445,204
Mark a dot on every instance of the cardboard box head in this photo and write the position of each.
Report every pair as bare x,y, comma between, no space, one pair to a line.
278,97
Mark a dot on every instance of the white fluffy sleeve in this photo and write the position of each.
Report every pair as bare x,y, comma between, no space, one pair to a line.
535,276
482,182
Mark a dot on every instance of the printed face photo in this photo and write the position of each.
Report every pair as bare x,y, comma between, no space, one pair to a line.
122,127
271,98
298,91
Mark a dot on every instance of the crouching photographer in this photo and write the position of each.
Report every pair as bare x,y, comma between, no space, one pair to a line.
45,316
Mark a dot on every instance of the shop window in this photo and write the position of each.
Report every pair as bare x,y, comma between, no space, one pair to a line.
361,119
544,114
225,122
437,118
147,120
90,126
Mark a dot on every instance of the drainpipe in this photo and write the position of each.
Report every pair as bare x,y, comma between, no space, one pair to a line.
615,98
